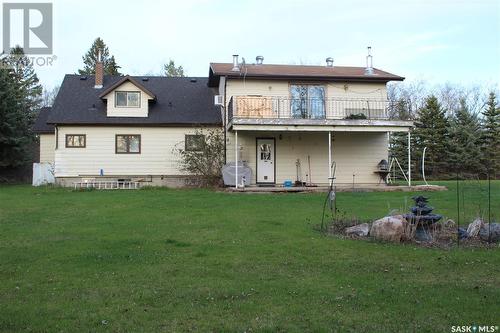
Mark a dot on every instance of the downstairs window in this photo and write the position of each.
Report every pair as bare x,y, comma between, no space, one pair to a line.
128,144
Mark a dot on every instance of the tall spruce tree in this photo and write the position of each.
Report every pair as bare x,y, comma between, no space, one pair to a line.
14,125
490,136
465,155
170,70
90,59
20,98
431,131
25,78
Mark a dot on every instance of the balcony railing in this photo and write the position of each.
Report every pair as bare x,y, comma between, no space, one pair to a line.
258,107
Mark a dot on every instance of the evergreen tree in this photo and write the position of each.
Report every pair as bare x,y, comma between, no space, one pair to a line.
170,70
90,59
431,131
398,144
14,125
465,155
25,78
490,136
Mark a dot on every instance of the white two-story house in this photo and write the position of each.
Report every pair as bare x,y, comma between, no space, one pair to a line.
302,124
306,124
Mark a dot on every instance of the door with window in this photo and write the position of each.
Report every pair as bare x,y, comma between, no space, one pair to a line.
266,154
307,101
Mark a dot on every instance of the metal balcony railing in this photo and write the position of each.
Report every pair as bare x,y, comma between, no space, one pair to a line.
259,107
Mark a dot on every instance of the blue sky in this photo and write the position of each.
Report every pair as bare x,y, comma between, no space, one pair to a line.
438,41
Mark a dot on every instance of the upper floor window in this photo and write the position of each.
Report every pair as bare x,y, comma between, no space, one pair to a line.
127,99
128,144
75,140
307,101
194,142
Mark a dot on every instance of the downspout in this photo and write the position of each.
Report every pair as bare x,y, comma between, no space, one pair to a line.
57,137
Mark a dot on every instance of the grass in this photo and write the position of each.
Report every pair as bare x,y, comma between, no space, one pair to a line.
197,260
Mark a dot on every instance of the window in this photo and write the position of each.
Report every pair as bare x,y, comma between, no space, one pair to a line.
75,141
128,144
194,142
307,101
127,99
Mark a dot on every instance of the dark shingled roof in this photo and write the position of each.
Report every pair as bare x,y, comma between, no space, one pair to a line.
304,72
40,126
179,101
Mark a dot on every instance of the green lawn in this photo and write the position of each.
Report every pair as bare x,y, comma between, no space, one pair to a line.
196,260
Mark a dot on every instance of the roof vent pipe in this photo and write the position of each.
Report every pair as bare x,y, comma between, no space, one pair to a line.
369,62
259,60
329,62
236,67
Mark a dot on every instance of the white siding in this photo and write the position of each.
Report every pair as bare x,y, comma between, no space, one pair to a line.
47,146
114,111
355,153
157,155
351,90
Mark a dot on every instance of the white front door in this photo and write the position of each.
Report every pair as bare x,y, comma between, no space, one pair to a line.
265,161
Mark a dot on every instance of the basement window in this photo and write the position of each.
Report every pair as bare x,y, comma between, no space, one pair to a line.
127,99
194,142
128,144
76,140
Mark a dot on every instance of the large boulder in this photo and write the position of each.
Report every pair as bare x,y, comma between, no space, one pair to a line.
388,229
493,229
360,230
474,227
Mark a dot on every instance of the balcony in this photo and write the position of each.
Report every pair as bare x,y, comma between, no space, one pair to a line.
314,114
257,107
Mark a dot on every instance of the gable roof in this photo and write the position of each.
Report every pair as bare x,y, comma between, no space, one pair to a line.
122,81
301,72
179,101
40,126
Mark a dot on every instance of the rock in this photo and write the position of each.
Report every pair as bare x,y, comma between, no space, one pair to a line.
462,233
400,218
360,230
494,229
474,227
449,223
388,229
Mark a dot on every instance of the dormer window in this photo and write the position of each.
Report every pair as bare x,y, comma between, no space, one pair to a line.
127,99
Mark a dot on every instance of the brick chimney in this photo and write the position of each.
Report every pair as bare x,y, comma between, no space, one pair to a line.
99,71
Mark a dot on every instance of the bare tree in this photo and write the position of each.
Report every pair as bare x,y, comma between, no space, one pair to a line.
49,95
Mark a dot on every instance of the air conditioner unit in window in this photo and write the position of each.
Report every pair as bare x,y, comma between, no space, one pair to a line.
219,100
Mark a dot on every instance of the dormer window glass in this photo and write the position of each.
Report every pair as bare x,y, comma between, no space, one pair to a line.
127,99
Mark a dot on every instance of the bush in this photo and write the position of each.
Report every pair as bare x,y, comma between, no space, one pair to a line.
207,160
